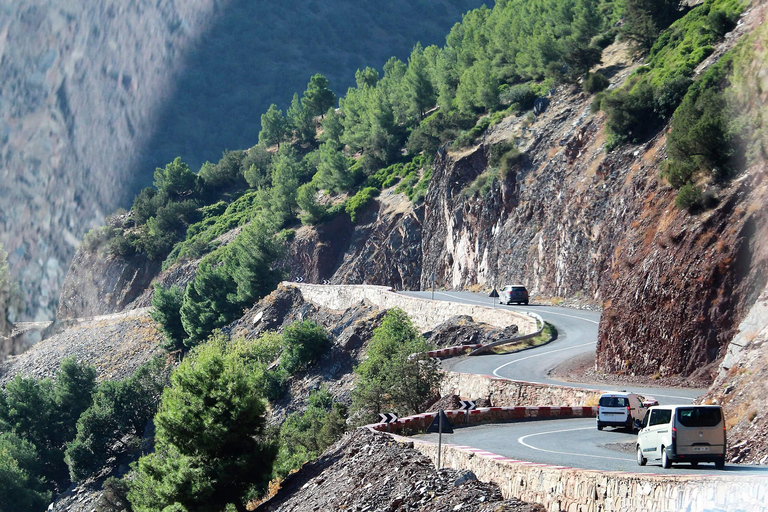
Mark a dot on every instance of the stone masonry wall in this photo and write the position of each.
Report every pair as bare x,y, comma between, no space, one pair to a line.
426,314
578,490
511,393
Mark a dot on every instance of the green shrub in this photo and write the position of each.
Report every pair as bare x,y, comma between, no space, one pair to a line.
120,410
670,94
689,197
521,95
305,435
166,310
303,343
630,113
391,379
597,102
700,139
605,39
595,82
357,203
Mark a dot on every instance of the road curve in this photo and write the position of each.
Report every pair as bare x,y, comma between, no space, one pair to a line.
577,335
568,442
572,443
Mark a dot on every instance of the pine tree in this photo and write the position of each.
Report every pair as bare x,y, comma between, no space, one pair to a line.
273,127
318,98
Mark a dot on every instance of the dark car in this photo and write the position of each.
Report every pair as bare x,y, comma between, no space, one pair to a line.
514,293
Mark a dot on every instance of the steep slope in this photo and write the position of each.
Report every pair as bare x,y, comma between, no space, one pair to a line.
370,471
80,83
98,94
572,220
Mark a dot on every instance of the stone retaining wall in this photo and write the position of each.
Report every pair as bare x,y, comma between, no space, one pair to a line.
508,393
561,488
426,314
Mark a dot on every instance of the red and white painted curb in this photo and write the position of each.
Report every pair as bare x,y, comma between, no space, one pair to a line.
484,415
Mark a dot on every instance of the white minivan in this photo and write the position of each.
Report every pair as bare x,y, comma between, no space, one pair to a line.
620,409
682,433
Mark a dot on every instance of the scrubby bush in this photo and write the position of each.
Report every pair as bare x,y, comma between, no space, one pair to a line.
689,197
670,94
595,82
522,95
210,442
166,307
303,343
44,413
120,411
631,112
305,435
396,375
360,201
22,488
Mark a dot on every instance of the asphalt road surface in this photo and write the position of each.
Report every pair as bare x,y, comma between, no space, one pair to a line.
572,443
577,335
566,442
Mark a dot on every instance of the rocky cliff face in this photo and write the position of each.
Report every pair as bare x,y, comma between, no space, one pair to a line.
548,223
385,247
570,220
99,283
742,387
80,83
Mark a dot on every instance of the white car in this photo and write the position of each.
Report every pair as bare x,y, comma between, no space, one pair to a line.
682,433
620,409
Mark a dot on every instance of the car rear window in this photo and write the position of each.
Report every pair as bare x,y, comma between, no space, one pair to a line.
518,288
613,401
699,416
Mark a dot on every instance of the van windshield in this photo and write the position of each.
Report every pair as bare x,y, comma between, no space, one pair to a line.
699,416
613,401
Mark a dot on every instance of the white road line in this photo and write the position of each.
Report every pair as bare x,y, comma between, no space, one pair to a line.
521,440
495,372
547,311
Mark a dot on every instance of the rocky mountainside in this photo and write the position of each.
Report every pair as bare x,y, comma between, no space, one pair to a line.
95,94
572,220
80,84
370,471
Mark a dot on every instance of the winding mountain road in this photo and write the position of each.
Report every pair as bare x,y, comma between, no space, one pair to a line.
577,335
566,442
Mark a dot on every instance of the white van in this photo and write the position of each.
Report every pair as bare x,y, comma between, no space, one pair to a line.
620,409
682,433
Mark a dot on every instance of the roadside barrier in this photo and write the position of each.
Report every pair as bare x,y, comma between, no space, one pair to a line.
420,422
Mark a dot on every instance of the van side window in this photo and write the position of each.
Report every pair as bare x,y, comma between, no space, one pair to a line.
660,416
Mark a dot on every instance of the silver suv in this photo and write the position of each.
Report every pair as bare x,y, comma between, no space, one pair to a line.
514,293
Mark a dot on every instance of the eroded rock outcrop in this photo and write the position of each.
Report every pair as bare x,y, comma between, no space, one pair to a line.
99,283
371,471
385,247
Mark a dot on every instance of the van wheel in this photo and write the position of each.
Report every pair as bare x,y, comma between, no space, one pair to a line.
665,462
694,464
640,459
719,464
599,427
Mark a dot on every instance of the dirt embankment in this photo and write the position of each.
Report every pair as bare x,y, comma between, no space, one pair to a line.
368,471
